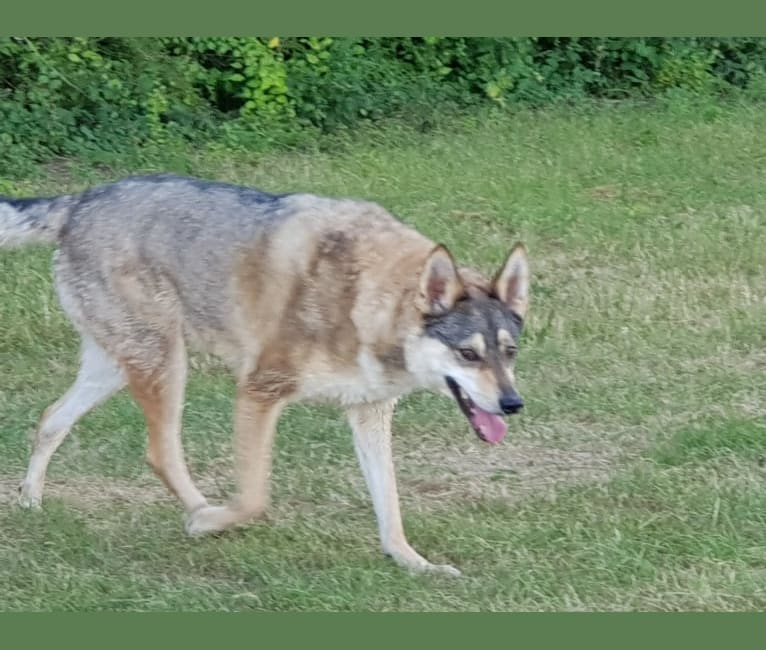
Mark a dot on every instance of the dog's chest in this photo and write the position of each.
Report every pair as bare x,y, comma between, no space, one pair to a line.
368,380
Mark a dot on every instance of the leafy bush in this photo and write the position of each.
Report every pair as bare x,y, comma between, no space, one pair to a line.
77,96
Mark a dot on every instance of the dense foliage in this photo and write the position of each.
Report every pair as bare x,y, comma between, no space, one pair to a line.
81,96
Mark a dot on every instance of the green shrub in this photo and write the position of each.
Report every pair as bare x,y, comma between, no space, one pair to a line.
77,96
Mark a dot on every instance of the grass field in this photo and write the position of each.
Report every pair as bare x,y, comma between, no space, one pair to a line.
635,478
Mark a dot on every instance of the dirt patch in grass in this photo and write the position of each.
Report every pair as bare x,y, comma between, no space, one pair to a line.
513,472
429,477
89,492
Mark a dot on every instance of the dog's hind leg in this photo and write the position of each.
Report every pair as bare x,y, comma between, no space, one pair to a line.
255,424
98,378
371,424
157,380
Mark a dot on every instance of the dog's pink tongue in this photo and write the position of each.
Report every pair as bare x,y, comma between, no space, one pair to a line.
492,427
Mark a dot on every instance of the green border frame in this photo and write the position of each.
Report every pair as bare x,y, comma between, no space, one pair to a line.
394,17
389,18
623,631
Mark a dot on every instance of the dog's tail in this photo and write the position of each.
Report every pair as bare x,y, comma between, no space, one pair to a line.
33,220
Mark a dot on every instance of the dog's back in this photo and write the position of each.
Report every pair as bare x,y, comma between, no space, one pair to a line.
160,249
237,269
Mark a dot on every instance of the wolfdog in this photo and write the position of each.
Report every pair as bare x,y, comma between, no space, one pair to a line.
304,297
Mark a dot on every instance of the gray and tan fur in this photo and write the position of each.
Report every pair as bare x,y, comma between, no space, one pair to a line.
305,297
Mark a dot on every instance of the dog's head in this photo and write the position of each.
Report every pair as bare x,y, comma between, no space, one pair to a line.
469,337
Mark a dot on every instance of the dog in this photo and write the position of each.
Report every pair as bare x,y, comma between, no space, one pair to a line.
304,297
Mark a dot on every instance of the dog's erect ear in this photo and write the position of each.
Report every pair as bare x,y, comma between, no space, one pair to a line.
511,284
440,284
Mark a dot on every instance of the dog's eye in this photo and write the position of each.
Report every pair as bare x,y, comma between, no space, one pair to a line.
510,353
469,354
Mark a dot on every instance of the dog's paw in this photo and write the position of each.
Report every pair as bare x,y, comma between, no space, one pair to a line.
407,557
29,498
443,569
207,520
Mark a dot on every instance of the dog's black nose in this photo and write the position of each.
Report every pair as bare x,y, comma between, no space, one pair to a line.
510,404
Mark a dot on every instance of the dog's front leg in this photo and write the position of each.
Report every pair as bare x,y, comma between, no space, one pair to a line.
371,424
255,424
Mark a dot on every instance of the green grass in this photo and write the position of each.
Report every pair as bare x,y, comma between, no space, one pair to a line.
635,478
